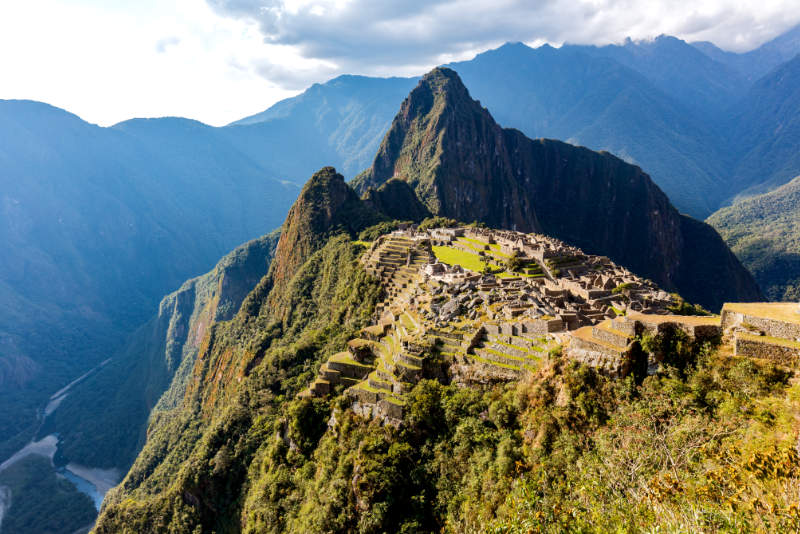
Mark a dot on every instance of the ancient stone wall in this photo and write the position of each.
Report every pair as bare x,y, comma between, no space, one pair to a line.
770,327
764,348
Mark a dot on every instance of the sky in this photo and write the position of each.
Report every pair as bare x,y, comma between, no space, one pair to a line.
220,60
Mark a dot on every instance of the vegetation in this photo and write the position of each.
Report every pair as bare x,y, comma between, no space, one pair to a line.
764,232
438,222
706,444
514,263
277,342
622,288
374,232
567,450
64,510
454,256
681,307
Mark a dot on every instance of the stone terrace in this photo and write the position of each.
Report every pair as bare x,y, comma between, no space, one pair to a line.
454,312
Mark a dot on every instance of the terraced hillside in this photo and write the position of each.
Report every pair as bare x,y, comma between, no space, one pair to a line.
474,306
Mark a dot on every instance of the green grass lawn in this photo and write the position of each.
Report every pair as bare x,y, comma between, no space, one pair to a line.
453,256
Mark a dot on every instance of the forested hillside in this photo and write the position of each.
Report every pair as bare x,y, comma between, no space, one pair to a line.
764,231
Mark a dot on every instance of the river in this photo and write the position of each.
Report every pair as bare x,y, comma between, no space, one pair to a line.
88,480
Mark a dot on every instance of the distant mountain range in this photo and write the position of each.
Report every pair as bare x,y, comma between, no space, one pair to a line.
96,225
758,62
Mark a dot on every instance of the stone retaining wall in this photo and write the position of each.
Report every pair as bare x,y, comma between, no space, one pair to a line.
764,349
612,363
770,327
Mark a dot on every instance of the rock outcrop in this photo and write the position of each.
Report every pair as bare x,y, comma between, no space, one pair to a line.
462,164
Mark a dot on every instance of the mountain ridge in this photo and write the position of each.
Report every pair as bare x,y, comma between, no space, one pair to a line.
463,165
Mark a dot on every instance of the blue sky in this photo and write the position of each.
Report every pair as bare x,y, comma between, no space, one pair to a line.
219,60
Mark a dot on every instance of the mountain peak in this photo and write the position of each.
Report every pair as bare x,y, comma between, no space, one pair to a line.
461,164
326,205
438,107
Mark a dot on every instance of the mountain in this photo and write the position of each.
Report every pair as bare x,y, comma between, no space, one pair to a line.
767,122
463,165
756,63
245,450
102,420
96,225
314,295
678,70
340,122
764,232
572,94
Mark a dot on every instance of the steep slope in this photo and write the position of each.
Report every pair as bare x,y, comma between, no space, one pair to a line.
597,102
767,123
96,225
340,122
316,294
679,70
756,63
764,232
461,164
101,421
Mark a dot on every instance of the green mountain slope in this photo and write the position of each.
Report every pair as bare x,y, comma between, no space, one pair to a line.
102,420
764,232
96,225
565,449
463,165
314,296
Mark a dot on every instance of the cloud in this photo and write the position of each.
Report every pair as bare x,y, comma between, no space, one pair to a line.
163,44
379,37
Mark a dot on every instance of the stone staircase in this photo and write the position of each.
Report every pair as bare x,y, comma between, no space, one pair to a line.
398,367
396,261
346,368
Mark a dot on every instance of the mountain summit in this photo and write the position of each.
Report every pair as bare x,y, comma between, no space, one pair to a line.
462,164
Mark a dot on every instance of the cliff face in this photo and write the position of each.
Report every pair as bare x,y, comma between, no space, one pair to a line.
462,164
326,205
234,395
396,200
102,421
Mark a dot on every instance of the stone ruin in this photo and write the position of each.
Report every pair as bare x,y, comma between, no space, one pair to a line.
453,324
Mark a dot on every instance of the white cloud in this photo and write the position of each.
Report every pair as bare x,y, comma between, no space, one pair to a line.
368,35
219,60
114,60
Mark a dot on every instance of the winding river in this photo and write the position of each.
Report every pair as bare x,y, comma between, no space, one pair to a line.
88,480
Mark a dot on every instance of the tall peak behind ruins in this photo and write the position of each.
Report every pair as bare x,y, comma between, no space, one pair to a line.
461,164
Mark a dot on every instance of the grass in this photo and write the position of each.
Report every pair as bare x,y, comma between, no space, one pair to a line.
453,256
779,311
365,244
345,357
770,340
406,321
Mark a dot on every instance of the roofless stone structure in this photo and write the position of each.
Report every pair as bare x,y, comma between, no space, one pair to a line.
474,305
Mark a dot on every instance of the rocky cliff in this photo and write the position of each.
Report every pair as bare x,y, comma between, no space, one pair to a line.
238,389
102,421
462,164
